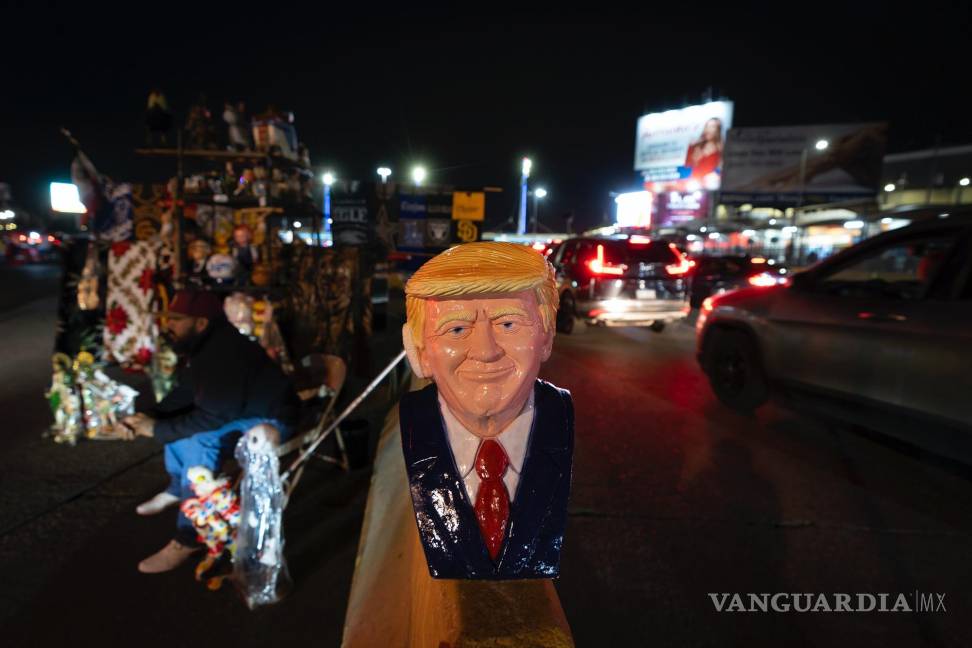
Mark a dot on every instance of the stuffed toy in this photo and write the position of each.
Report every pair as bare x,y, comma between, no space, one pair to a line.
215,512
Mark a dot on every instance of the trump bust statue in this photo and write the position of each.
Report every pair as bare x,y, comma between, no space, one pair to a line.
487,445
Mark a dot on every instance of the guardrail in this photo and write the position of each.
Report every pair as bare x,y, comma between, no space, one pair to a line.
394,601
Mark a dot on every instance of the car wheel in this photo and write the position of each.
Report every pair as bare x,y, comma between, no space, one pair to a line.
735,371
565,314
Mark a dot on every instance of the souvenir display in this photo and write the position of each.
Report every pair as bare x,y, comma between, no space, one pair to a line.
259,568
130,329
488,446
85,401
65,401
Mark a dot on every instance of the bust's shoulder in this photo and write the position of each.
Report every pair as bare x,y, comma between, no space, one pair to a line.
550,395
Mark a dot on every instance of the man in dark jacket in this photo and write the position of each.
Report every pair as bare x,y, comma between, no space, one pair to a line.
233,386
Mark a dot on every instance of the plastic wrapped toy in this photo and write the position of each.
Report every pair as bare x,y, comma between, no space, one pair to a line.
258,564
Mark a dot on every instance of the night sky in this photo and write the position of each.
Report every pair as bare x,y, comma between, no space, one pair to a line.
467,93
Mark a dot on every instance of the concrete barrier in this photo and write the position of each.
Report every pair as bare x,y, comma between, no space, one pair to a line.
394,602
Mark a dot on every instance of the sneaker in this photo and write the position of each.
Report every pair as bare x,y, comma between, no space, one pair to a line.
168,558
157,504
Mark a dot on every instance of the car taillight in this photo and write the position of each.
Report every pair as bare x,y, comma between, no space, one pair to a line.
764,280
600,267
708,304
682,266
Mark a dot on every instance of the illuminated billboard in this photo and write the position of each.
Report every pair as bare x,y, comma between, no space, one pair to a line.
66,198
682,149
634,209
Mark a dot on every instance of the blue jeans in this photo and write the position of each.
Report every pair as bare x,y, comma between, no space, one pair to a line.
209,449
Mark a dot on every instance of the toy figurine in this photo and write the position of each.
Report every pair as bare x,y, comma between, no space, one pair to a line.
243,249
238,134
215,513
258,565
487,445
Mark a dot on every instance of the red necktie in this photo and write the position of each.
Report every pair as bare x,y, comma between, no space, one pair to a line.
492,500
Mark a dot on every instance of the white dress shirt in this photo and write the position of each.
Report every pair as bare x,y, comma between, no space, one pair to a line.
464,445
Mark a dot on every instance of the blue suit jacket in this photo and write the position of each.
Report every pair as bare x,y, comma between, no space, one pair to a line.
444,515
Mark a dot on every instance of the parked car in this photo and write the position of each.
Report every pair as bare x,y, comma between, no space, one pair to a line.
878,335
713,275
622,280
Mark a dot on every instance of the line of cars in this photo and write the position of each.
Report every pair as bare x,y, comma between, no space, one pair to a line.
878,335
637,280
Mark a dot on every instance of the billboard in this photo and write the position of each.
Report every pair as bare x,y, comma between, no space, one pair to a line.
801,165
682,149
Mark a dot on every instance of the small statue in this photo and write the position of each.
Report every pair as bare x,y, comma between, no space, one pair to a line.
199,126
215,513
488,446
243,249
199,251
158,119
239,136
258,565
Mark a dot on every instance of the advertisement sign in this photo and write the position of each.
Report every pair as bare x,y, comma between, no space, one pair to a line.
469,205
349,211
801,165
675,208
682,149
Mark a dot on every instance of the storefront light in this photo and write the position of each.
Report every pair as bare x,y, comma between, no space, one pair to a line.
854,224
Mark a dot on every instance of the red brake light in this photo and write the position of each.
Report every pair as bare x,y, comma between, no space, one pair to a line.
763,280
682,266
599,267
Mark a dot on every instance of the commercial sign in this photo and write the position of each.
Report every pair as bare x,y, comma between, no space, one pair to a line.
675,208
801,165
469,205
682,149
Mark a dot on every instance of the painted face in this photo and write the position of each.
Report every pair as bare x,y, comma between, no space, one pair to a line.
484,353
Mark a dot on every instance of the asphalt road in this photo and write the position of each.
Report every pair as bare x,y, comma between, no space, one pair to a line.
674,497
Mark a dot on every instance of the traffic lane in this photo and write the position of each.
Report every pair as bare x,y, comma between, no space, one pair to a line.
21,284
675,496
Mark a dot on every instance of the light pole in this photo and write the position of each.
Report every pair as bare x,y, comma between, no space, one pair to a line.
820,145
538,194
328,179
524,176
384,172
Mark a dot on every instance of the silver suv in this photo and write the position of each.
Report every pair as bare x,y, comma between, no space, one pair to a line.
879,335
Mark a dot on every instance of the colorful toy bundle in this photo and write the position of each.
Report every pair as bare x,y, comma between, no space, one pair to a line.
215,512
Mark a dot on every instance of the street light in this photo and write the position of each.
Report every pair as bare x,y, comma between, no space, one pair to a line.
964,182
538,193
821,144
418,175
384,172
328,179
889,187
525,168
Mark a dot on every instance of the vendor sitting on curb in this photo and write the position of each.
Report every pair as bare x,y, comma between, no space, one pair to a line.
234,386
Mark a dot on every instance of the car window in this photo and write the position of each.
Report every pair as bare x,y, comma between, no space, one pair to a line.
569,251
900,270
654,252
